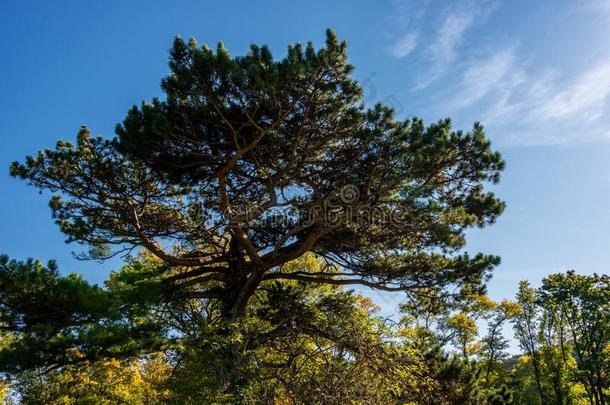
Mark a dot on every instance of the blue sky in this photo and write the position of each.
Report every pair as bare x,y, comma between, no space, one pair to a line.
536,74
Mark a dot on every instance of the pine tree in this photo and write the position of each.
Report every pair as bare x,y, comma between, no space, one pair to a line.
250,163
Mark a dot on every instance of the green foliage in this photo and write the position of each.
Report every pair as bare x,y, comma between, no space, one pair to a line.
46,314
455,380
303,343
494,345
103,382
66,341
577,311
565,331
240,142
46,317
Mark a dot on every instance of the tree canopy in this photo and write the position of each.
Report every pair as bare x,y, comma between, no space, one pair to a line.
252,162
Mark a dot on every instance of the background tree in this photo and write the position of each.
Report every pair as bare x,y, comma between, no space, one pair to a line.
563,328
494,345
454,380
555,353
46,317
463,368
527,332
582,303
134,382
460,327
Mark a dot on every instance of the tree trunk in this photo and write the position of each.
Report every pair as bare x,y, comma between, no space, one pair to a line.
242,282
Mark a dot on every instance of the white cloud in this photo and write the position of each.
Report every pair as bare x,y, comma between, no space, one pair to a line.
410,18
405,45
525,95
442,50
449,35
487,76
586,97
528,108
404,25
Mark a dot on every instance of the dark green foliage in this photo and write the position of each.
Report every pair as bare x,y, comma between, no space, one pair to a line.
458,381
49,320
240,142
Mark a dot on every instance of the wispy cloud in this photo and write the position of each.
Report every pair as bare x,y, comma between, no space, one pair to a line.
404,25
493,74
587,96
450,34
404,45
410,18
552,90
537,108
454,23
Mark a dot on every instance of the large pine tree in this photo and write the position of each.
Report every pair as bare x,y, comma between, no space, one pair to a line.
252,162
